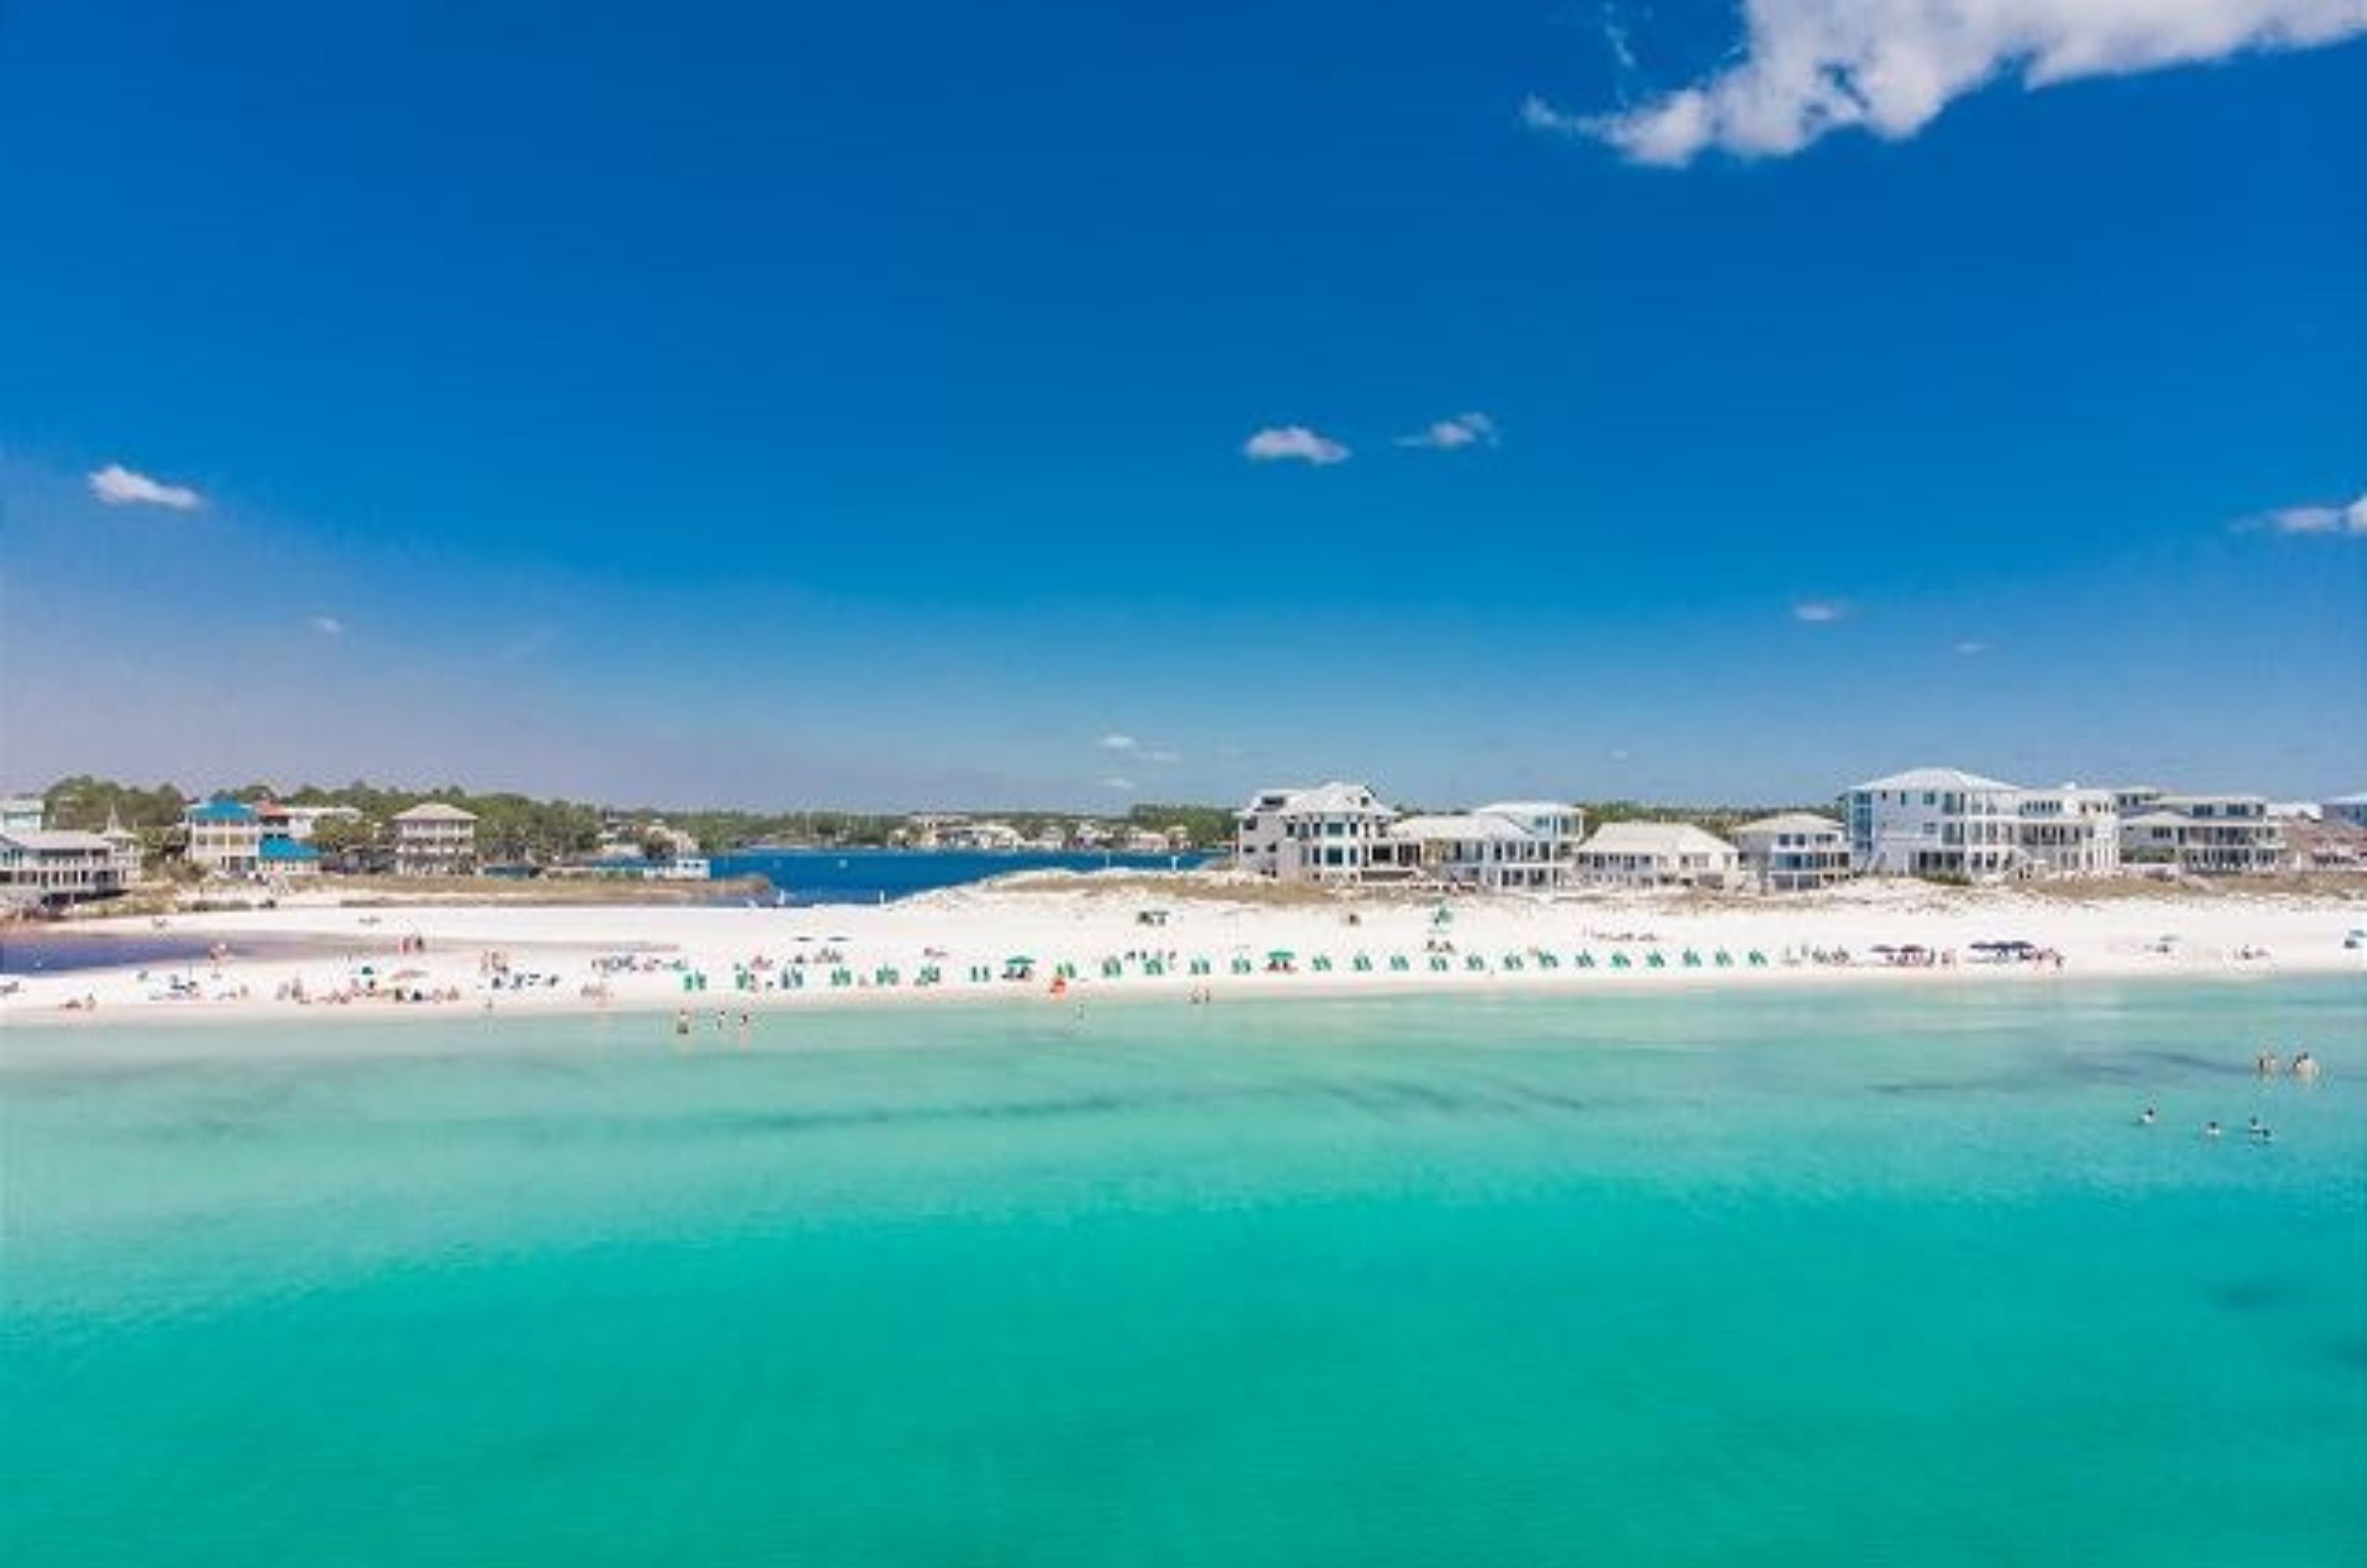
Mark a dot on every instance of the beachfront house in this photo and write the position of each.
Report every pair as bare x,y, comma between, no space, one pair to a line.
49,866
1332,832
433,839
1656,854
2069,831
2349,810
1512,845
1934,822
23,814
1793,852
225,836
2207,835
287,860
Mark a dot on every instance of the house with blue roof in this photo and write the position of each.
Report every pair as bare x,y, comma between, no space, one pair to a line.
225,836
283,858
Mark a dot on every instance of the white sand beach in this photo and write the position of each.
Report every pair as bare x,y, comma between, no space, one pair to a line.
1080,937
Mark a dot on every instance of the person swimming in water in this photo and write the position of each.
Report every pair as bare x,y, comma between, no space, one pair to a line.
2146,1117
2304,1067
2211,1129
2265,1064
2257,1131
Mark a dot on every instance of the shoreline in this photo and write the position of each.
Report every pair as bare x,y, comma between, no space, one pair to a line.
499,960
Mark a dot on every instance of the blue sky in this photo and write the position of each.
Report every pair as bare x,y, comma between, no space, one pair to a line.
848,404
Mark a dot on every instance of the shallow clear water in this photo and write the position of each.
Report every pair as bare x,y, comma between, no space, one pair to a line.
1700,1279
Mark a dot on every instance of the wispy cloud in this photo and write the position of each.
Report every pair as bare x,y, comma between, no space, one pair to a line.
1971,647
1449,434
1293,443
1117,743
1810,67
1120,784
119,485
327,626
2340,521
1163,756
1819,612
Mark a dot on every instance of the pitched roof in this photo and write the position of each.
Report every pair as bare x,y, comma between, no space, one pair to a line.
1653,838
1791,822
221,808
1458,828
1934,779
1334,796
434,811
56,840
286,849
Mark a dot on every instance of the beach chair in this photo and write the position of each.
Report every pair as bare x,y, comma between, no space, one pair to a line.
1547,961
1112,969
796,979
840,979
1362,963
1199,967
1243,966
1511,963
884,976
1586,958
1621,961
1320,965
1438,963
1656,959
1724,959
1692,959
1758,959
1154,968
1475,964
1398,965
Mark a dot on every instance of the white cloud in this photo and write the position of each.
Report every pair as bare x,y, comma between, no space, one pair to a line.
1117,743
2340,521
1293,443
1117,783
1971,647
1808,67
119,485
327,626
1165,757
1818,612
1448,434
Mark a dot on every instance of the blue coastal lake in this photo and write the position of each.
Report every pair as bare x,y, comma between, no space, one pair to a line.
1808,1278
868,876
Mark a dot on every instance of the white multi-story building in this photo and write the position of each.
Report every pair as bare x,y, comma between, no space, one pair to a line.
1656,854
225,836
2349,809
2212,834
1793,852
23,814
2069,831
1523,845
53,865
433,839
298,824
1333,832
1934,822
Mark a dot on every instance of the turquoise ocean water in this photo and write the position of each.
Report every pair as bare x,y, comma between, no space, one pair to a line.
1818,1277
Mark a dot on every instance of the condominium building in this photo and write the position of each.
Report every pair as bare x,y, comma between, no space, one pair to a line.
23,814
433,839
1793,852
2348,809
2211,835
1329,833
1656,854
1934,822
